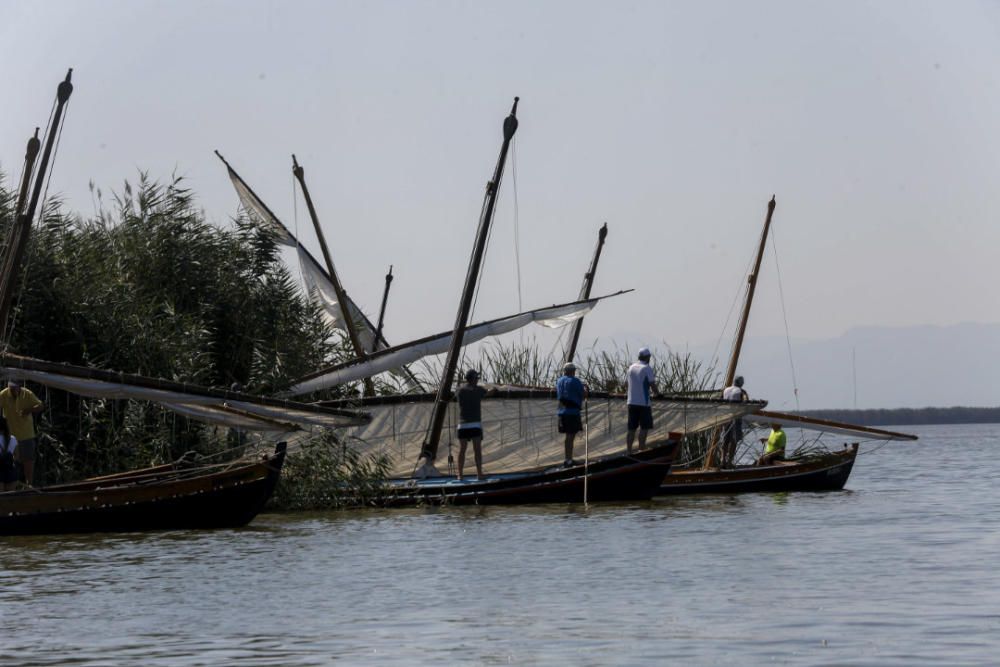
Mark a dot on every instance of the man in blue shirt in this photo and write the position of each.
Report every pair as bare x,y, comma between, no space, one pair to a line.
570,392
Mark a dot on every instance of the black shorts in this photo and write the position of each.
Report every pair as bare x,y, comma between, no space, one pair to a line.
470,433
570,424
640,416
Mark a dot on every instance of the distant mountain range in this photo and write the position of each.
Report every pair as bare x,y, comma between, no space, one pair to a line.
894,367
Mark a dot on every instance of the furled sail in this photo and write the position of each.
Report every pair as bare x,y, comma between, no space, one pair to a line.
318,284
227,408
394,357
520,427
766,417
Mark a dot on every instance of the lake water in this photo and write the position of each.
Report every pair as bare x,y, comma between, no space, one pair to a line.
899,569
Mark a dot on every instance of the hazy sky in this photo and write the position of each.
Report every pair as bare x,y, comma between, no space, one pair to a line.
876,124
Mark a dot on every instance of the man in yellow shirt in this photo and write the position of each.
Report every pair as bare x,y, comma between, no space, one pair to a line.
20,405
775,450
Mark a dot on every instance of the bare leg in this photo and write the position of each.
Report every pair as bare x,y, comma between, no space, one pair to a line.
629,438
29,471
477,450
461,456
642,438
569,445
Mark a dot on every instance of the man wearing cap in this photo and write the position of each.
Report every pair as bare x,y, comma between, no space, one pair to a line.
733,431
470,420
641,380
570,393
19,407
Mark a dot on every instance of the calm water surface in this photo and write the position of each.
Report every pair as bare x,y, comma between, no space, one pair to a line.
899,569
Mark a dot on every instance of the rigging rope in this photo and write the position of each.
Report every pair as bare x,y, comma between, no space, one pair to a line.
784,315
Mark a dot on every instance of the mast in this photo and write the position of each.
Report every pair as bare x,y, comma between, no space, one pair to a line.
429,450
7,269
741,330
22,224
381,311
588,284
352,332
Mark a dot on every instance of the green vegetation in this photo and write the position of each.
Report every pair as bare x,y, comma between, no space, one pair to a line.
148,286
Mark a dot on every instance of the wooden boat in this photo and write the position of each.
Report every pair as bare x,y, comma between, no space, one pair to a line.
166,497
815,471
608,478
826,471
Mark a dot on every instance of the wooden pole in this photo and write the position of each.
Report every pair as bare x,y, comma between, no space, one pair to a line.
352,332
588,284
429,450
22,225
381,311
734,358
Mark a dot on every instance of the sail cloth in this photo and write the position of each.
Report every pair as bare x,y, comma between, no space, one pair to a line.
394,357
766,417
318,283
520,427
233,409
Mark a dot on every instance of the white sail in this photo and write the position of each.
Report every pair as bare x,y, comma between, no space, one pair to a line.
318,283
394,357
520,427
236,410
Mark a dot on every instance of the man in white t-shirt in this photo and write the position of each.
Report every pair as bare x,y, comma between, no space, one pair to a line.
641,381
733,432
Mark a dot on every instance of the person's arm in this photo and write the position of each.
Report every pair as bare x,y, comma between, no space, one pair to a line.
36,405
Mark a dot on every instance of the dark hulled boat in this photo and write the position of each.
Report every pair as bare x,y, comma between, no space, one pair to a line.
165,497
821,472
618,477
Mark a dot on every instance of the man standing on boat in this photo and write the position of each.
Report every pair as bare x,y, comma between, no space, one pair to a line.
641,380
20,405
733,432
570,392
470,421
775,450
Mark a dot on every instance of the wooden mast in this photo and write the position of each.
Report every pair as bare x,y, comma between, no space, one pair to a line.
345,310
741,330
588,284
7,267
22,224
429,450
381,310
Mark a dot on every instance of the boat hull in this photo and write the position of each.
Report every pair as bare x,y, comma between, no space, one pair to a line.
610,478
824,473
154,501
